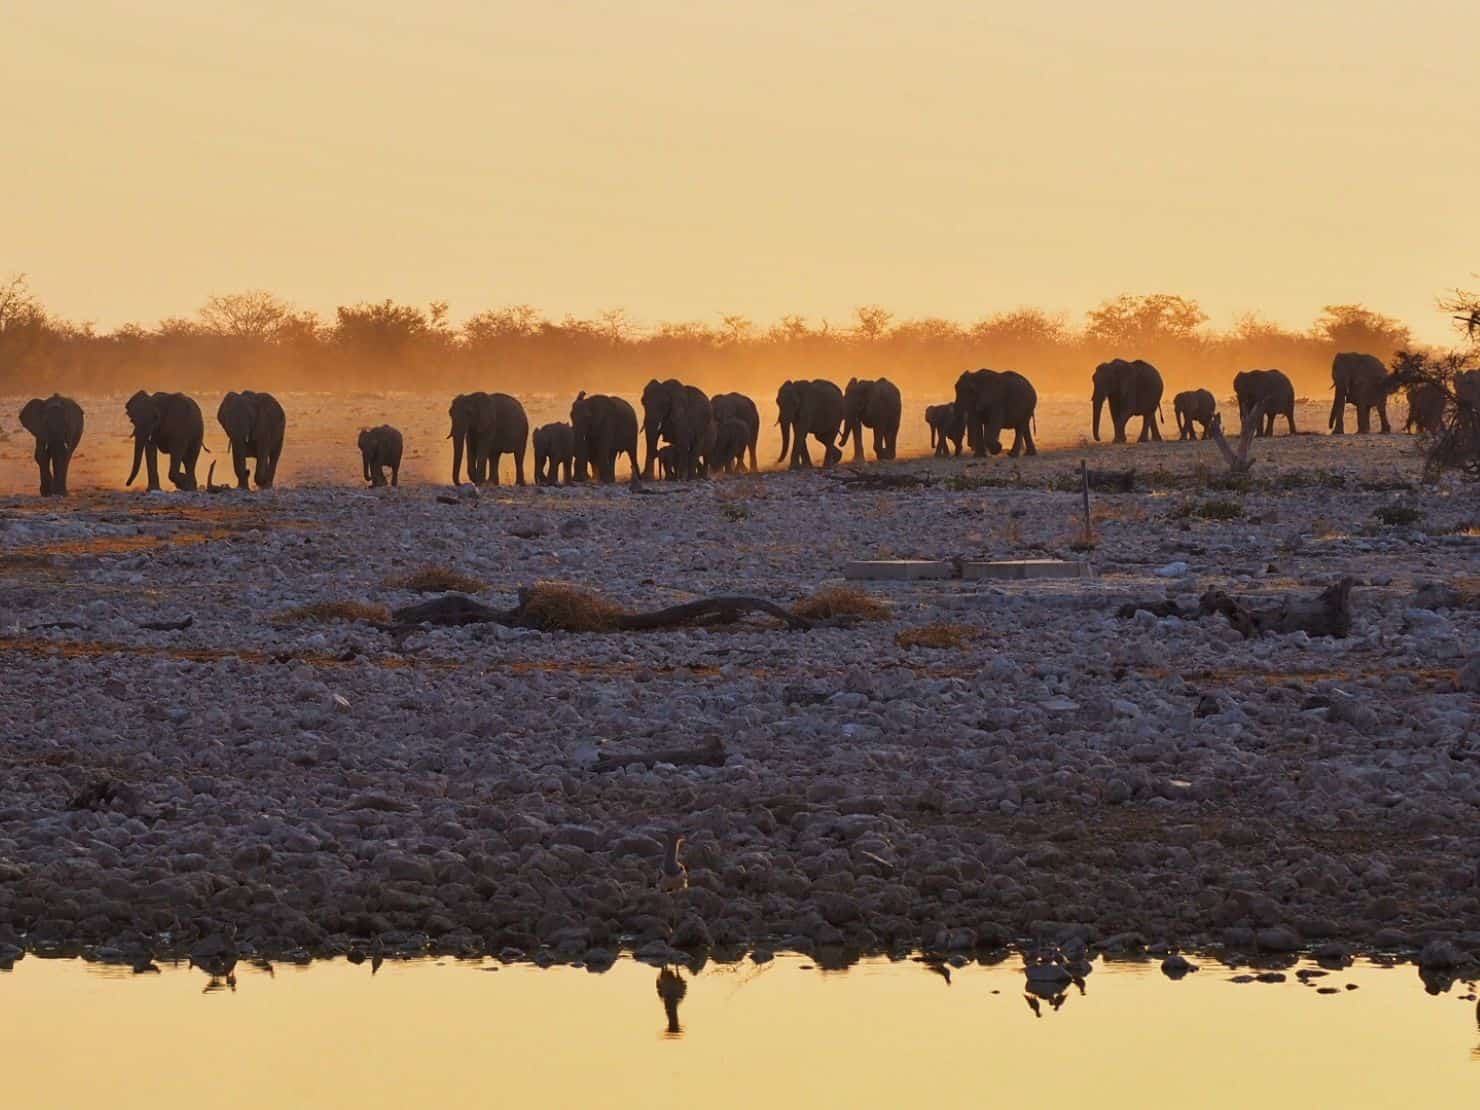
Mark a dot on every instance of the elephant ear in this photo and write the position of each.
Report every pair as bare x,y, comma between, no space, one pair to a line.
31,417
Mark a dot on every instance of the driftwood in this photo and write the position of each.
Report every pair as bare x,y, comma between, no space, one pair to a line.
711,753
1327,614
456,610
211,486
1238,462
168,626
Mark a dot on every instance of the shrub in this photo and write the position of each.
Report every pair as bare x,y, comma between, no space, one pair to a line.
436,580
841,601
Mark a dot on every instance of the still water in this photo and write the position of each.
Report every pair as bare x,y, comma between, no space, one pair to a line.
451,1034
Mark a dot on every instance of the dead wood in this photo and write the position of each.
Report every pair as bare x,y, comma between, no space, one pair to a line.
864,480
456,610
1327,614
168,626
1239,461
710,753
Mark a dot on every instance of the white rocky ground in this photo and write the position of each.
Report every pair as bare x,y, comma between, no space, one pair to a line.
319,787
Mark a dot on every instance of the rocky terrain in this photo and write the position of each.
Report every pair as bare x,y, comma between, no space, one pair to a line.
990,762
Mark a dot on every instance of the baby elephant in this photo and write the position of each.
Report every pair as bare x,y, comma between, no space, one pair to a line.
380,449
731,439
1193,406
947,422
668,463
554,453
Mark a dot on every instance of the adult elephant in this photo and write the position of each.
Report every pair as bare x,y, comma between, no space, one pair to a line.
681,415
1363,382
1131,388
254,424
871,403
489,426
737,406
57,425
1426,403
947,426
168,422
989,401
1194,406
603,428
1270,389
809,408
380,450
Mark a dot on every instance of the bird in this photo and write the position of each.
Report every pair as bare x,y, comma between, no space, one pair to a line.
673,876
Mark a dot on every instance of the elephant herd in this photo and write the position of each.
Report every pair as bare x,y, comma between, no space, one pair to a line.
687,434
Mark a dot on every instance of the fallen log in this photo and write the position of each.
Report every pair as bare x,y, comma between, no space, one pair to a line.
856,479
1326,614
168,626
710,753
551,608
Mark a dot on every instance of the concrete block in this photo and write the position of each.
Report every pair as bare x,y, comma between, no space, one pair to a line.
899,570
1025,568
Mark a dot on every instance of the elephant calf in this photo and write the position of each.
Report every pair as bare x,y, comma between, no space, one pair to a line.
554,453
668,462
947,426
732,438
1194,406
57,425
380,450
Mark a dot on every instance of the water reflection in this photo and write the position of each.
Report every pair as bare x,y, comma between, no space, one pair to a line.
671,989
829,1039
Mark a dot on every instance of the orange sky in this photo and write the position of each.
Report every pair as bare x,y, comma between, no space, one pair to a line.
680,158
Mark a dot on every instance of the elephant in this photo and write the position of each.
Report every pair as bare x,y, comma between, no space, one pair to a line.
737,406
168,422
668,462
1132,389
1363,382
490,425
603,428
57,425
1193,406
947,424
990,401
554,453
731,438
1426,403
681,415
806,408
253,423
380,450
1270,388
874,404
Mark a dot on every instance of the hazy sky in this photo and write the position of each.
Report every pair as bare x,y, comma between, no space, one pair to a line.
680,159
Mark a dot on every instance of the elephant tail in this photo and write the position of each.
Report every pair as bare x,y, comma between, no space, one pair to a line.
1160,416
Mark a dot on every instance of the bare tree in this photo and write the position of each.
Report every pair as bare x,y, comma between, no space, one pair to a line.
253,314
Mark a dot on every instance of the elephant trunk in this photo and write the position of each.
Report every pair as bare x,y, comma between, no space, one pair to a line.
138,458
1099,400
457,456
1336,407
785,440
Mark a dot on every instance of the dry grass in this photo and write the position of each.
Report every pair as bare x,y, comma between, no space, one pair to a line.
561,607
944,636
436,580
841,601
324,611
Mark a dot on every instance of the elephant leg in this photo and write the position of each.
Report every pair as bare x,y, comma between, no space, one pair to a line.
1025,436
519,468
43,467
396,474
1364,419
1382,417
151,464
238,466
1290,419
